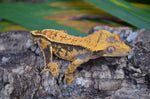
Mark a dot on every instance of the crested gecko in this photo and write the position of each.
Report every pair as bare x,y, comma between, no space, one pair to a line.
76,49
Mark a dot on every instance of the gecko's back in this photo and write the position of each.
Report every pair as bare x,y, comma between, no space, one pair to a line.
99,41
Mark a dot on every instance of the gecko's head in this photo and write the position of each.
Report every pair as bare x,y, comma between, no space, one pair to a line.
34,36
110,44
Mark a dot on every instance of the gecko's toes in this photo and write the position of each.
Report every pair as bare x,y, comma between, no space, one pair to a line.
69,79
53,68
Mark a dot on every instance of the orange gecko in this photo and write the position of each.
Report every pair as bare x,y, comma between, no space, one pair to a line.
77,49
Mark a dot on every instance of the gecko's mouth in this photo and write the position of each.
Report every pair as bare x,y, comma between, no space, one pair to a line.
116,55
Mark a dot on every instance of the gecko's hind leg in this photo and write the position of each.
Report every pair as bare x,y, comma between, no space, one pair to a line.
69,74
47,51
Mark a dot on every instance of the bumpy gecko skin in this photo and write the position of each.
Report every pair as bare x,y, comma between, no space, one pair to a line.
77,49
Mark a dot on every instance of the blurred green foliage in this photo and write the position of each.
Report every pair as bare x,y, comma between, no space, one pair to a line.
75,17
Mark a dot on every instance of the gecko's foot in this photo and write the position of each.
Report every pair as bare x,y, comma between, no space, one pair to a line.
53,68
69,78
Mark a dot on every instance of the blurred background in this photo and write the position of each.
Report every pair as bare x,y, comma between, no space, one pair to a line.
74,16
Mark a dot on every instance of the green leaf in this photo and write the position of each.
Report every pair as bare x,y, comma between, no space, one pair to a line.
124,11
22,16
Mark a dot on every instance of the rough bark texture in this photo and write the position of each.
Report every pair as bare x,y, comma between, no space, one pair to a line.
21,62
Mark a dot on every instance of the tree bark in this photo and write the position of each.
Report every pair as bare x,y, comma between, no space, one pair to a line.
21,63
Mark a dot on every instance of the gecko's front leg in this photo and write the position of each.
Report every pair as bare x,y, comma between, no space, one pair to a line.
69,74
47,51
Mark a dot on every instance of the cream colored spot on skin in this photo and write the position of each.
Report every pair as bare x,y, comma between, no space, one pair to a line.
74,50
62,52
59,46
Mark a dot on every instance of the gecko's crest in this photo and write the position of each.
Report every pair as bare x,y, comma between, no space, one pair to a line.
99,41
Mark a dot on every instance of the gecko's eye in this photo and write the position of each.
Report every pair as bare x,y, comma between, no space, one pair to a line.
110,49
